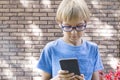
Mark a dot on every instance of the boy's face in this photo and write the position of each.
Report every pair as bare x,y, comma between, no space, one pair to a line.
73,31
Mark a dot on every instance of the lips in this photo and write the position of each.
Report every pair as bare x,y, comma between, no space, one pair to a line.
74,37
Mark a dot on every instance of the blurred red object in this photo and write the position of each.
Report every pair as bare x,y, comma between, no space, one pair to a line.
111,75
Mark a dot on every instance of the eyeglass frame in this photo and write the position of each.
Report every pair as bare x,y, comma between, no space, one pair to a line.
75,27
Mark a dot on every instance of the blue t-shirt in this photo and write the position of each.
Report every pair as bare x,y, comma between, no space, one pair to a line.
87,54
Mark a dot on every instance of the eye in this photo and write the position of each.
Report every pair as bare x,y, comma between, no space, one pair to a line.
67,27
81,25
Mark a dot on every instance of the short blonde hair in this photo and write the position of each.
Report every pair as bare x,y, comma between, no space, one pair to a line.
72,10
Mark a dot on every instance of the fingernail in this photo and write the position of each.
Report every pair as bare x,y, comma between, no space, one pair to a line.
72,73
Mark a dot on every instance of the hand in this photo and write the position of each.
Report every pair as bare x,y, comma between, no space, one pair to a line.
64,75
77,77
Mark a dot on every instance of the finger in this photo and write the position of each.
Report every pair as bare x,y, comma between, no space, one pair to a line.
69,78
80,77
69,75
63,72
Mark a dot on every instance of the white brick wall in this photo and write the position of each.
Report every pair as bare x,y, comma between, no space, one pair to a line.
26,28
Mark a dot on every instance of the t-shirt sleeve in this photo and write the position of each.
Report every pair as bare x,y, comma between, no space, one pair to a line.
98,62
44,62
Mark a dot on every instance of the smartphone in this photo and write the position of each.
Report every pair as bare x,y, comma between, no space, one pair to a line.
71,65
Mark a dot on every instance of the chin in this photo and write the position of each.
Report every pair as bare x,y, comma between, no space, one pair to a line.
73,39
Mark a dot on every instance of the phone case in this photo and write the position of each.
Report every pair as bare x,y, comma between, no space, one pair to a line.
71,65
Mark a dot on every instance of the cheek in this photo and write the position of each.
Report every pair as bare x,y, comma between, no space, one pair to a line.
80,33
67,34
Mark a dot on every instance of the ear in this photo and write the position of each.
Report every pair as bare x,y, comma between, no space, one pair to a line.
60,25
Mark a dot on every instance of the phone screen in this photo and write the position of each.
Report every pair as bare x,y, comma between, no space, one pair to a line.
71,65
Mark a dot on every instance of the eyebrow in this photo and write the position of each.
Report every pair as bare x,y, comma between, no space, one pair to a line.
70,25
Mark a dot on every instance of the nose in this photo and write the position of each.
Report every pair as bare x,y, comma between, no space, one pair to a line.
74,30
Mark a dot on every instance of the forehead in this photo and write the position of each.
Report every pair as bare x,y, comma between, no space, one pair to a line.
73,23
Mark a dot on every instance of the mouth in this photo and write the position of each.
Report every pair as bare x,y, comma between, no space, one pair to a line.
73,36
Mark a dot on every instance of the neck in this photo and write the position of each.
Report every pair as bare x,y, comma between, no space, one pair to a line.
73,42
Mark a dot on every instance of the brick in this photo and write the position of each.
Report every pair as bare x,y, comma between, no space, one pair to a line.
4,50
52,22
47,18
16,50
9,30
39,38
51,14
38,46
32,50
113,46
24,78
16,57
10,14
32,18
113,23
24,14
24,46
109,42
37,78
16,26
39,14
14,2
4,42
4,2
91,34
16,10
9,22
4,10
52,38
31,34
40,22
22,31
9,38
32,10
4,18
58,34
0,14
16,34
24,54
47,34
17,42
102,46
22,22
16,18
57,2
9,54
45,2
97,38
46,27
43,43
54,30
46,10
31,42
8,77
88,38
18,74
54,6
9,6
0,6
3,26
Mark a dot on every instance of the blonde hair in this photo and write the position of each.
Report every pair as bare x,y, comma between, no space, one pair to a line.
72,10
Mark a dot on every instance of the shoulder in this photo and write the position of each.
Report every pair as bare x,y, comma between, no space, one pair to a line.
90,44
52,44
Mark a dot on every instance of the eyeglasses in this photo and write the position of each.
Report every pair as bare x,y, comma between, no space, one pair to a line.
78,28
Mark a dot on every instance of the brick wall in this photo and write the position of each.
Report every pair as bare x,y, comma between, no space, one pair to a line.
27,25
